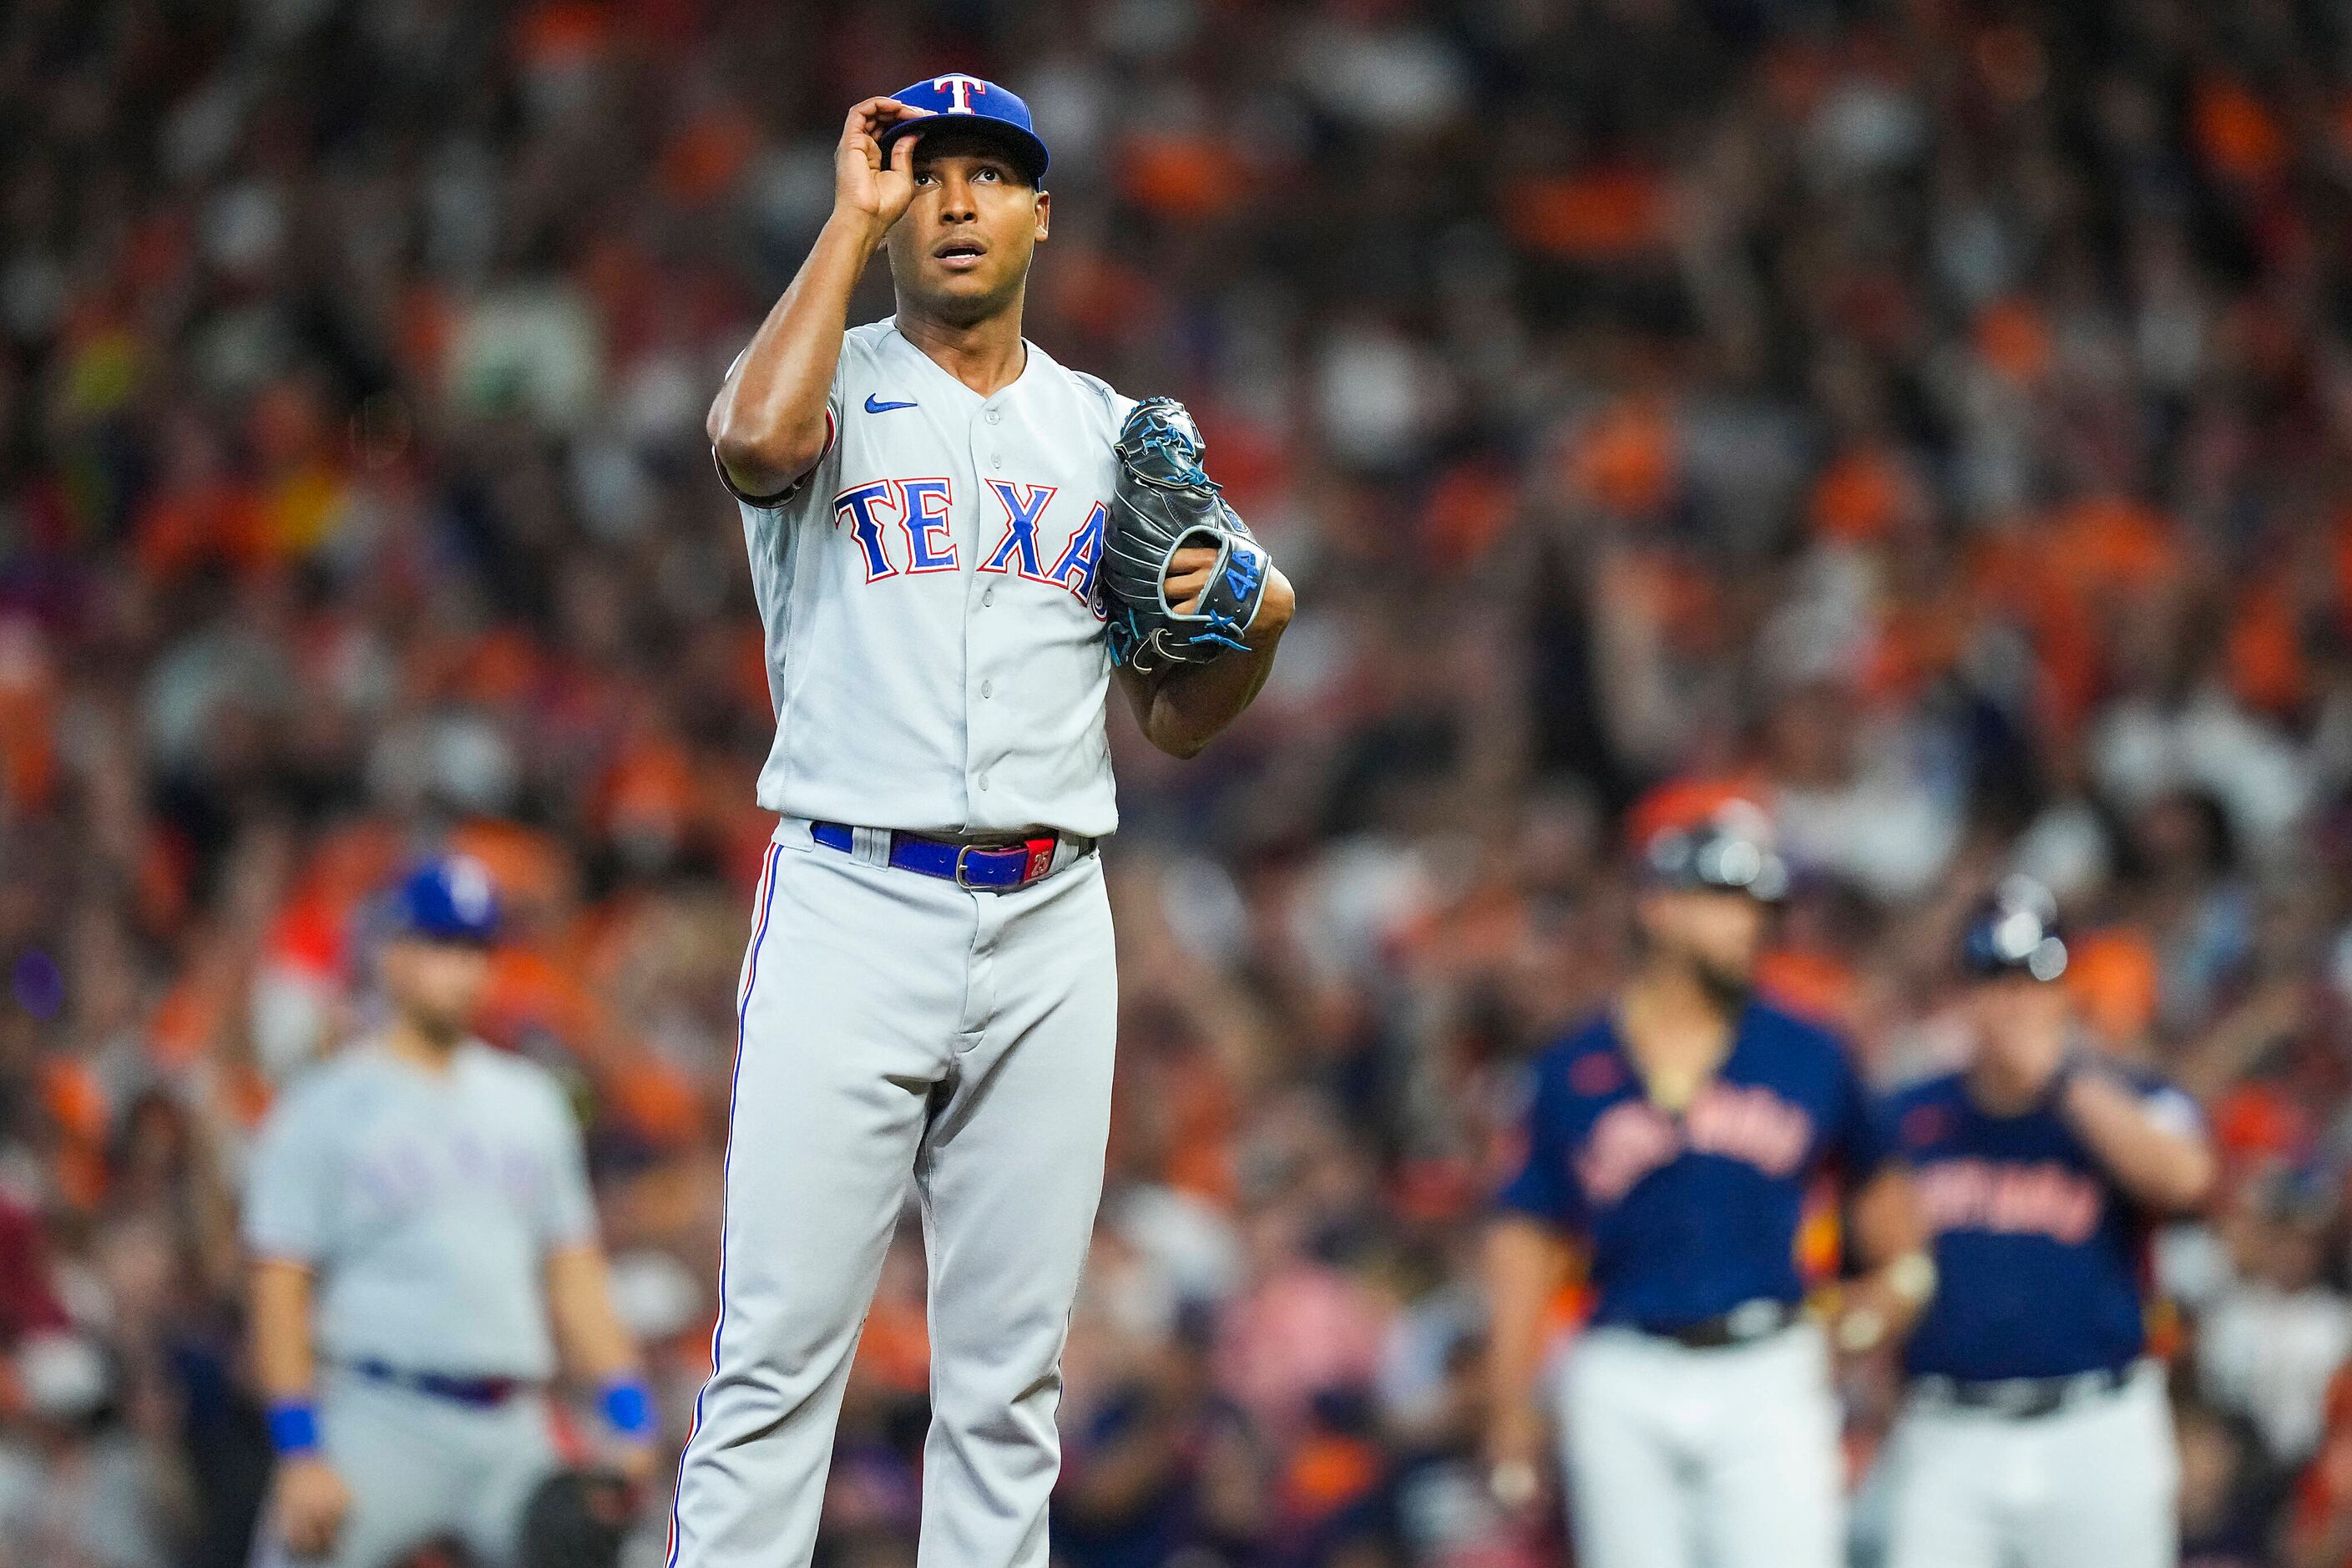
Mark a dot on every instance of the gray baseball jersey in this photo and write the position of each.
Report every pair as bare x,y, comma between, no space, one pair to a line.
935,645
425,1205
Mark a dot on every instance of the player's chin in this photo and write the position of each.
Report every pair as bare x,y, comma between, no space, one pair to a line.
446,1015
1730,982
976,291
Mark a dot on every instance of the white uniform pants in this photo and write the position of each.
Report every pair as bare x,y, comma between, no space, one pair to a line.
1703,1459
422,1468
2090,1486
896,1025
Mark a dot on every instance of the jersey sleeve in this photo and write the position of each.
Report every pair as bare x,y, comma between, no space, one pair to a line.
774,507
286,1186
567,1210
1116,406
1542,1186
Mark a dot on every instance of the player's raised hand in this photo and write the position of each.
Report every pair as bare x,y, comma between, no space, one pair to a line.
864,181
311,1502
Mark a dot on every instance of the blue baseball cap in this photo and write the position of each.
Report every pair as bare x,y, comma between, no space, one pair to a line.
977,102
447,898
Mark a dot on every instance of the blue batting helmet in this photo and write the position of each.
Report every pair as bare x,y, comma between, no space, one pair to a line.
1731,851
2015,931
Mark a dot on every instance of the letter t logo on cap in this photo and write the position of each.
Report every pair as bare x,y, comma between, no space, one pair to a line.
962,88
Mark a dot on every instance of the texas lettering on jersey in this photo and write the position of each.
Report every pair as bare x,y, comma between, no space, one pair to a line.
1736,1121
934,652
412,1172
902,529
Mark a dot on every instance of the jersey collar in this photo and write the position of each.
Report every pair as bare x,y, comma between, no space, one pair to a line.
1637,1077
1033,358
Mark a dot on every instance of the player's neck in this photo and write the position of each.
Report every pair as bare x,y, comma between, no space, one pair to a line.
421,1048
2000,1090
1676,1029
1670,996
987,355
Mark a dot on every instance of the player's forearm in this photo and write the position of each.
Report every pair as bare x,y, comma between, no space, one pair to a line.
2159,1166
284,1364
589,1334
1189,704
1890,1240
598,1352
1887,1224
1523,1267
767,423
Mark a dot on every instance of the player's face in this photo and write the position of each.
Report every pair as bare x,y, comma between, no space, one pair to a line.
2023,1020
1720,934
961,253
439,986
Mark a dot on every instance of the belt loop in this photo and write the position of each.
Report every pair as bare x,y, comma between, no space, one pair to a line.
1066,849
870,846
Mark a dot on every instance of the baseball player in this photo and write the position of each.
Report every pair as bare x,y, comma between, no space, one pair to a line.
2035,1435
1677,1134
929,991
424,1240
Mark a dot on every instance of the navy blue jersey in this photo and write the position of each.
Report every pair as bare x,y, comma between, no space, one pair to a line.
1690,1215
2040,1258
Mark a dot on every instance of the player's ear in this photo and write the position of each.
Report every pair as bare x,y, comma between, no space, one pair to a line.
1044,213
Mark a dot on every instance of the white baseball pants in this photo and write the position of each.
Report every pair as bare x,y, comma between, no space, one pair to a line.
2091,1484
1702,1458
422,1468
896,1026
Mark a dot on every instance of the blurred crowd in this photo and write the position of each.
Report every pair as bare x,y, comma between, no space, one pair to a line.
1932,417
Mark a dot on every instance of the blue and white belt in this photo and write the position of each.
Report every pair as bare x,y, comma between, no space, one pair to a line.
986,862
481,1393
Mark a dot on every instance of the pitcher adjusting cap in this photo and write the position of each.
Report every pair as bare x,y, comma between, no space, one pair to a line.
1731,850
957,99
447,898
2015,931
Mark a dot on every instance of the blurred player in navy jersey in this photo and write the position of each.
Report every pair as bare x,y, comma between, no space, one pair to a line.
2036,1434
1676,1136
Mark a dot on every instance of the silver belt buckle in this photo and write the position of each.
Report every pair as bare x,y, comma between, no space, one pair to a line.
963,881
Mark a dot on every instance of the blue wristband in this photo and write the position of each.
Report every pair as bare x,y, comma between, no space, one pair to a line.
294,1427
628,1408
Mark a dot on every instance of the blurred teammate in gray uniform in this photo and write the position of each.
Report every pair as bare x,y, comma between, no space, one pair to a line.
424,1240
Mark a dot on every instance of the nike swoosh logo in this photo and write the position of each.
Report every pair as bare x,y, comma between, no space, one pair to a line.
874,407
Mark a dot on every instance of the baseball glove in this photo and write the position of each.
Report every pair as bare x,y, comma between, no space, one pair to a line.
577,1518
1163,501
